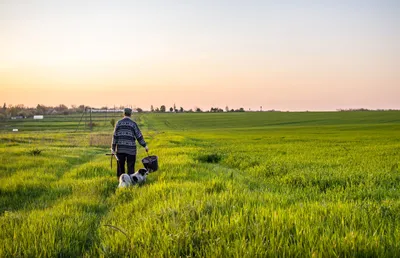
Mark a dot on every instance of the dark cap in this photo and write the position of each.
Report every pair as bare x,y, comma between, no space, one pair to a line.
127,111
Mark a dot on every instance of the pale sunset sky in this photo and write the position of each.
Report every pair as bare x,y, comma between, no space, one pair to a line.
283,55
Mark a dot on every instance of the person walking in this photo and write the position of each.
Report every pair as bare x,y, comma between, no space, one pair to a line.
126,132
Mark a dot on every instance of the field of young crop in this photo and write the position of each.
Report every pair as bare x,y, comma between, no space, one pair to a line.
228,185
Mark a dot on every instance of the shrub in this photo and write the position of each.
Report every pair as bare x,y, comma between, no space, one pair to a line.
209,158
35,152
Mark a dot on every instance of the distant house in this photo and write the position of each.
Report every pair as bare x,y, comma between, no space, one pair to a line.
17,117
38,117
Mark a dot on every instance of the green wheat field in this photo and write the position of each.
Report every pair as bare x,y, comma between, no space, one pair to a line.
254,184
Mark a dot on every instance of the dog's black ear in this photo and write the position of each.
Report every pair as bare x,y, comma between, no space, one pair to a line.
142,171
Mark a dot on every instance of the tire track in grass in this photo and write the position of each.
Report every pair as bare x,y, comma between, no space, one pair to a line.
36,188
67,225
94,185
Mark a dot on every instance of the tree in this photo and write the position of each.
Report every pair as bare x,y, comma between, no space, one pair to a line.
4,108
61,108
152,108
12,110
162,109
171,109
139,110
227,109
26,113
215,110
41,109
181,110
198,109
112,122
157,110
175,110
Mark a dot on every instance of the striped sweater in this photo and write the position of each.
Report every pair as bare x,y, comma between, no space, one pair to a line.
126,132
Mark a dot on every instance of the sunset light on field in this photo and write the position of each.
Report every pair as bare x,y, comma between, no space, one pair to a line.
291,55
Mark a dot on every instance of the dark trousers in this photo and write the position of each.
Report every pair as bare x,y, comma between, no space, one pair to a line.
129,159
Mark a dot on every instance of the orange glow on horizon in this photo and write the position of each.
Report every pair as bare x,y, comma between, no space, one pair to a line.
246,56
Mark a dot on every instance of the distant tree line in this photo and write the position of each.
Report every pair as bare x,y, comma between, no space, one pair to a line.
21,111
364,109
174,109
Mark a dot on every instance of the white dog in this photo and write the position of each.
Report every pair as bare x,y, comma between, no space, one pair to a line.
139,177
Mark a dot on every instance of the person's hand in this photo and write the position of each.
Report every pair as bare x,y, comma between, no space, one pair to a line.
146,148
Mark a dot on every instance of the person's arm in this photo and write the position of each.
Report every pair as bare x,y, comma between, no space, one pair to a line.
139,136
115,138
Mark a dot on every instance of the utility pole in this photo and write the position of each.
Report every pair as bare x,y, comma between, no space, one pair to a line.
91,124
83,114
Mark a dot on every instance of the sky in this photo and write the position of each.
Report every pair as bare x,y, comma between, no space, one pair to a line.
282,55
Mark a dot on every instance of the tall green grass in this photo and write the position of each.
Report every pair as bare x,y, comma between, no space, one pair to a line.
229,185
